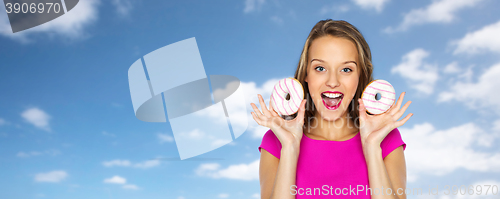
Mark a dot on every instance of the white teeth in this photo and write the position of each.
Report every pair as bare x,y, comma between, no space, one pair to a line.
332,95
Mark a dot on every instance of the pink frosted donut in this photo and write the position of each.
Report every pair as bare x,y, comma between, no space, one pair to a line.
278,97
387,96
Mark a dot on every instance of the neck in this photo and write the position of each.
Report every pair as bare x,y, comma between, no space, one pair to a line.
339,129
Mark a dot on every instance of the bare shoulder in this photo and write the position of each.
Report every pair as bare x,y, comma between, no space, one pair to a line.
396,158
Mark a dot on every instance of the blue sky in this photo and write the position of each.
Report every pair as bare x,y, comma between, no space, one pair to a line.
68,129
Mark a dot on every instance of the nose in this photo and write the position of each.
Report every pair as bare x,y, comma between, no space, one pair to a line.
332,81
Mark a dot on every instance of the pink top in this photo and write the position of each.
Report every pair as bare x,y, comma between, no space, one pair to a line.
331,168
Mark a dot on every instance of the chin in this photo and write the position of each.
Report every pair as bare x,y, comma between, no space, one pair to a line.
325,115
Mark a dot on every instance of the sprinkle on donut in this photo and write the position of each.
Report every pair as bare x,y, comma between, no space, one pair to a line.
278,97
387,96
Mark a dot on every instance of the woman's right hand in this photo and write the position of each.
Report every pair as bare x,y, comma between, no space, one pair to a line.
289,132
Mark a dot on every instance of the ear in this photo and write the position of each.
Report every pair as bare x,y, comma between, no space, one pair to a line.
306,79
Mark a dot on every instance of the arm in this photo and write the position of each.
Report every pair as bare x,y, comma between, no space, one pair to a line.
267,173
278,175
389,173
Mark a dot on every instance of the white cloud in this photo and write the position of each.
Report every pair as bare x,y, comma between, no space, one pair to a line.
165,138
108,134
420,76
207,167
213,114
130,186
253,5
277,20
37,117
115,180
147,164
236,105
451,68
121,180
476,95
439,11
251,90
496,126
126,163
198,134
3,122
223,195
257,131
53,176
28,154
485,39
334,9
377,5
452,148
112,163
465,74
51,152
123,7
256,195
236,172
70,25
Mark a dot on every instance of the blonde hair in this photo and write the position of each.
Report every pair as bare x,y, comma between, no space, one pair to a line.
345,30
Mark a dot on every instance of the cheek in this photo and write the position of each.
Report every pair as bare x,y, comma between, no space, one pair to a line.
352,84
354,87
312,82
312,88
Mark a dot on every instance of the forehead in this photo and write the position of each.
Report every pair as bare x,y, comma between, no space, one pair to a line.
333,49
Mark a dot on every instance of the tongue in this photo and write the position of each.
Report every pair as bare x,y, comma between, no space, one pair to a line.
331,102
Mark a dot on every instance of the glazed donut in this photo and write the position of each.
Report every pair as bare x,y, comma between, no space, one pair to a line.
387,96
278,97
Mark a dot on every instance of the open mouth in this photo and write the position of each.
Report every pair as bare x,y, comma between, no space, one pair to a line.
332,100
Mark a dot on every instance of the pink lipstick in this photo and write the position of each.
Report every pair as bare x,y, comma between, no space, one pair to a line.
332,99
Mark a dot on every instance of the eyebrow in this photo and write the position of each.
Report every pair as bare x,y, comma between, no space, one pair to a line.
343,63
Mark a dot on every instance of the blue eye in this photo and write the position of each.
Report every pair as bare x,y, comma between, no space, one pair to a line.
346,68
320,68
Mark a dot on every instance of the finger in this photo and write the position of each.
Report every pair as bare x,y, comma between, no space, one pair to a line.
263,106
271,107
362,111
391,107
402,111
302,110
403,121
257,111
398,104
273,112
256,118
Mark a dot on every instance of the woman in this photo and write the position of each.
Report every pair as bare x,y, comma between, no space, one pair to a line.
333,147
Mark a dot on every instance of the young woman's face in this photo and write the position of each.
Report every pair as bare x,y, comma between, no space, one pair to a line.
332,75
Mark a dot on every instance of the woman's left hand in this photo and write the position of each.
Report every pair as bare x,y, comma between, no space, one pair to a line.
374,128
